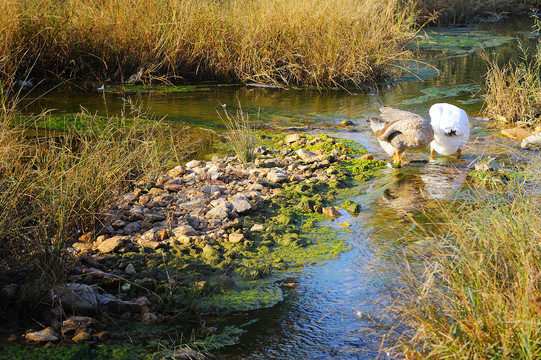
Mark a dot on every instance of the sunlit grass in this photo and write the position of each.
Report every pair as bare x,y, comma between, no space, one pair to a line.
476,293
336,42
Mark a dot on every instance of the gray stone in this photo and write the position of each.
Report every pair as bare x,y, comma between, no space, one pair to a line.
193,205
131,228
77,297
130,269
118,224
149,318
184,230
257,227
241,205
193,164
276,176
114,304
112,244
210,189
45,335
531,142
216,213
306,156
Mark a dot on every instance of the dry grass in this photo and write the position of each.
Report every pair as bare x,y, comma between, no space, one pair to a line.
241,134
55,185
269,41
445,12
478,294
513,90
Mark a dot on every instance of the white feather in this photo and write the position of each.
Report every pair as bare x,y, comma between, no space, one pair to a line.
445,118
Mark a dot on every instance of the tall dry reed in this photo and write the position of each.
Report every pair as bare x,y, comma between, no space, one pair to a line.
269,41
512,89
54,186
449,12
477,295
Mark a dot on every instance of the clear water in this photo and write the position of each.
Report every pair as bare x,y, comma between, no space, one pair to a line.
331,314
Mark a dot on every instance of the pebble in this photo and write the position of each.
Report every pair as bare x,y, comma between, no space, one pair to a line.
45,335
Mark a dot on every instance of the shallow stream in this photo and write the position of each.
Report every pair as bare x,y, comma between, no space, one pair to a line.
331,313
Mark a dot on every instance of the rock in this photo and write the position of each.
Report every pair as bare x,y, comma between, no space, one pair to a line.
119,306
173,186
193,164
177,171
73,324
236,238
532,142
331,212
8,292
103,336
130,269
149,318
118,224
45,335
186,353
292,138
367,157
193,205
241,205
186,230
112,244
143,301
82,336
132,228
216,213
277,176
306,156
516,133
257,227
347,123
77,297
12,338
155,191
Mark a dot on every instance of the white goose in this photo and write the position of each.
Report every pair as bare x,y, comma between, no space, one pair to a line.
451,129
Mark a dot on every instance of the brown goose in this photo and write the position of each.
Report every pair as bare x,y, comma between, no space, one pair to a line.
399,130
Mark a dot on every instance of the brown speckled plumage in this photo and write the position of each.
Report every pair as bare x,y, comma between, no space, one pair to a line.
403,130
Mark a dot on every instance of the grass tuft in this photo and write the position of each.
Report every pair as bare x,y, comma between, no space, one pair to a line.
476,294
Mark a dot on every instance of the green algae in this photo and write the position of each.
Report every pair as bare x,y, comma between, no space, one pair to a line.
126,89
434,93
82,352
457,41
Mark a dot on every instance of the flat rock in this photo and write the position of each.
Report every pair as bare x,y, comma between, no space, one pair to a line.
241,205
78,297
292,138
117,305
173,186
331,212
193,205
216,213
184,230
236,238
112,244
257,227
532,142
132,228
82,336
45,335
79,323
306,155
276,176
193,164
516,133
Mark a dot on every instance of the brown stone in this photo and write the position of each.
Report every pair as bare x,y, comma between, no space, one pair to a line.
110,245
45,335
516,133
331,212
82,336
367,157
236,238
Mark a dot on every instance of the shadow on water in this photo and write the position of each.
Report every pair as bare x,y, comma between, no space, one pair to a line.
330,315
